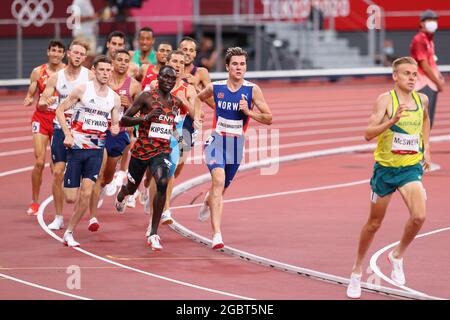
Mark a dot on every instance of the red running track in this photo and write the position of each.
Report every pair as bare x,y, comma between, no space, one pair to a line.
317,230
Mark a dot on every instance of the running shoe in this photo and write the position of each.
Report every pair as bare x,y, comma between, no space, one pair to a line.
166,217
57,224
217,242
397,269
204,211
120,206
131,202
121,175
354,287
93,225
111,188
153,241
68,240
33,209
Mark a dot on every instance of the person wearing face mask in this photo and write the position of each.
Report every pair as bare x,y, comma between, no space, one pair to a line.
430,80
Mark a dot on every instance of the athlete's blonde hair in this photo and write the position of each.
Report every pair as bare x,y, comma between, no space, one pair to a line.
403,60
77,42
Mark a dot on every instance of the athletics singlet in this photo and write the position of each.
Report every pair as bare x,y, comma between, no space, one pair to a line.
401,145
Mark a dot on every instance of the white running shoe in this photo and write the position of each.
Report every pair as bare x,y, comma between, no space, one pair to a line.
354,287
57,224
111,188
93,225
217,242
166,217
120,206
118,181
143,196
153,241
204,211
434,166
397,269
131,202
69,241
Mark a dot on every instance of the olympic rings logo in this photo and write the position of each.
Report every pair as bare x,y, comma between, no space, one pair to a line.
29,12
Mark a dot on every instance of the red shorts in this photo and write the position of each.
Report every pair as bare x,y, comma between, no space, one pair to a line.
42,122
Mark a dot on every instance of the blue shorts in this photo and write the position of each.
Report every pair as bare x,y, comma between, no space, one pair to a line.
224,152
175,153
82,164
115,145
57,147
188,133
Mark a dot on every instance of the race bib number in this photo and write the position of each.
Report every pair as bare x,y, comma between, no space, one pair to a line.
405,143
55,104
234,127
161,131
95,122
35,127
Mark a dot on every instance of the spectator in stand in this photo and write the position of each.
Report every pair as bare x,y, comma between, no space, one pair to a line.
207,57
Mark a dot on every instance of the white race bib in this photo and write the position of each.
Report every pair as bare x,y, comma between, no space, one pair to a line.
95,122
160,130
405,143
234,127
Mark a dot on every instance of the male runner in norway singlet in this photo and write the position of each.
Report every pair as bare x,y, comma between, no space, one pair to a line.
128,89
400,121
158,109
235,100
42,120
85,140
58,88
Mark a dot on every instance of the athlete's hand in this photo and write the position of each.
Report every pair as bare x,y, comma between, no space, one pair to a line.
400,113
154,113
114,129
68,141
426,164
124,101
243,105
28,101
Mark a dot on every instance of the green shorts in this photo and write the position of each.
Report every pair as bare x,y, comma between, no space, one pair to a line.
385,180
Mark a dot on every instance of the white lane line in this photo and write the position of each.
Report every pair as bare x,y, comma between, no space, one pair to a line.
283,193
15,171
16,139
377,271
43,288
40,218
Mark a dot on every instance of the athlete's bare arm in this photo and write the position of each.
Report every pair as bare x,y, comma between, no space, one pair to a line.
129,120
133,70
34,77
135,89
264,115
73,98
115,115
380,120
47,97
426,132
204,80
206,93
142,72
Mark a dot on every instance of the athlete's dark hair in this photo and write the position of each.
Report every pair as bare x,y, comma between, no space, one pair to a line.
163,42
235,51
163,69
189,39
116,33
147,29
56,43
101,58
121,51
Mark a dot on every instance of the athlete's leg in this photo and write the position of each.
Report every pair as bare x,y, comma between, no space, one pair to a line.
40,143
378,208
413,194
160,176
57,186
87,185
99,184
216,197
